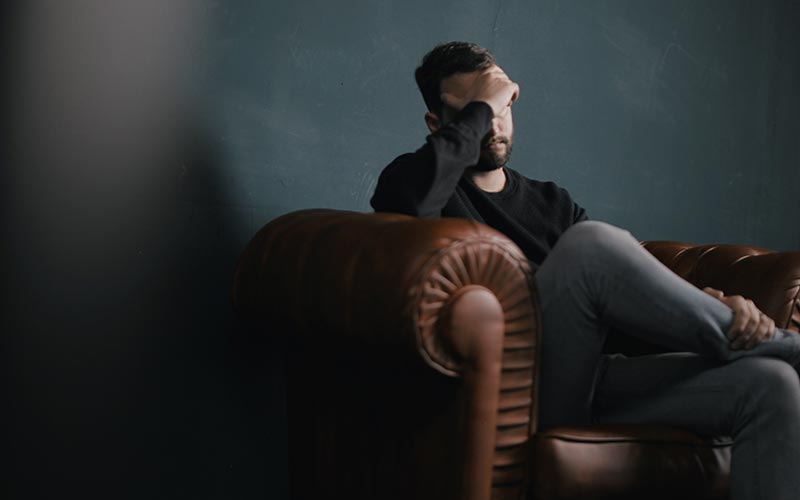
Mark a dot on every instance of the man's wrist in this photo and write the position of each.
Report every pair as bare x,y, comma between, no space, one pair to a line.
479,115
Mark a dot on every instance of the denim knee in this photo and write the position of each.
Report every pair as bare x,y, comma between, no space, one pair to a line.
592,232
770,385
593,239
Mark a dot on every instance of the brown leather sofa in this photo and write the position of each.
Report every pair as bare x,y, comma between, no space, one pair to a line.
412,362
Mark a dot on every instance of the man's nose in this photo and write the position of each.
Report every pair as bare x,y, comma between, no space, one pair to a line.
496,126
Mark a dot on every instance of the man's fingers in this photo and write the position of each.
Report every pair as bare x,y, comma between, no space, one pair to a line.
509,92
758,337
753,336
745,320
753,315
515,95
766,328
765,331
750,326
739,317
495,70
717,294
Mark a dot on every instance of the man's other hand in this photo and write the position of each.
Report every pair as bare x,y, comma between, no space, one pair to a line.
750,326
492,86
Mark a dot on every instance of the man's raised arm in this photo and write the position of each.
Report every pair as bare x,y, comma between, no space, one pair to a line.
420,183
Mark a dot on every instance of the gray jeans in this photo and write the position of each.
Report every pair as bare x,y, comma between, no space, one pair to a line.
597,277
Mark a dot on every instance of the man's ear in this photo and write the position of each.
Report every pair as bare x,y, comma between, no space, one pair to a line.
433,122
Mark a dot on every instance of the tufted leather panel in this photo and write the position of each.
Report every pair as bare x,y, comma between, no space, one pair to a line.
375,290
771,279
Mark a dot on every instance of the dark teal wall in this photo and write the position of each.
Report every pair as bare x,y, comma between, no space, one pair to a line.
145,142
677,120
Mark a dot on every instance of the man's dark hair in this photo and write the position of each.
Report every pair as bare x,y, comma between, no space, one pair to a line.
445,60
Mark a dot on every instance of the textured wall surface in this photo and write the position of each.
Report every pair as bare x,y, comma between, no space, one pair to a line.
677,120
145,142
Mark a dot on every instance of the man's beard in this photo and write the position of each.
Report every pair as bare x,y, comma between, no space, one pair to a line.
491,159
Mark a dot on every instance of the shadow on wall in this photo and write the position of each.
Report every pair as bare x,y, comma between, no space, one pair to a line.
118,370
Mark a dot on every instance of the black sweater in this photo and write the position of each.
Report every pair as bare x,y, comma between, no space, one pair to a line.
431,183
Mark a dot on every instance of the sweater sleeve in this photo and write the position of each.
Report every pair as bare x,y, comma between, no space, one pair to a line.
422,182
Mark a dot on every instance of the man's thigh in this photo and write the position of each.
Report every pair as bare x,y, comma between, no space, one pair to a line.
754,400
684,389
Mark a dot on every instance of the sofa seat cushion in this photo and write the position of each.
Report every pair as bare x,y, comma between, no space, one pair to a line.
622,461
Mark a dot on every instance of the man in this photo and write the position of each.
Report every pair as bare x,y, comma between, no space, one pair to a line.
736,373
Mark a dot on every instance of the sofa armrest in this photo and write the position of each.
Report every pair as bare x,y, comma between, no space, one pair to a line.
454,294
379,279
771,279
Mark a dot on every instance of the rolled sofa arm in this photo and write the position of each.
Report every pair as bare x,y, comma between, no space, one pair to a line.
381,278
456,294
771,279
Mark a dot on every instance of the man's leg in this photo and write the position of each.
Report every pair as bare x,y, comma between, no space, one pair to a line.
599,276
755,400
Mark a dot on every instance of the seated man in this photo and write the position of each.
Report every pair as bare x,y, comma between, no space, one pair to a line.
733,372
